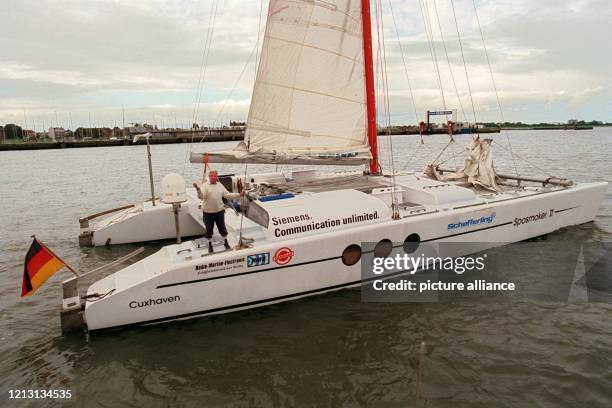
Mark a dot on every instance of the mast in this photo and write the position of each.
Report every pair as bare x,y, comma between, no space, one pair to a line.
370,90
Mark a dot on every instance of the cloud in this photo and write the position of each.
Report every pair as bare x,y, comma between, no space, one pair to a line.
84,59
543,52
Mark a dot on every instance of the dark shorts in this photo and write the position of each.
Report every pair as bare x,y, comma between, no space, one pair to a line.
210,219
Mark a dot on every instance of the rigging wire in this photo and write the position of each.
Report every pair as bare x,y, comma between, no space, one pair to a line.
416,116
452,140
246,165
501,112
453,148
401,48
205,55
231,93
467,77
203,68
450,69
441,152
426,17
423,5
546,172
431,48
385,85
233,89
431,33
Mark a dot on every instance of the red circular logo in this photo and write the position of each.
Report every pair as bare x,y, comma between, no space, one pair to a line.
283,256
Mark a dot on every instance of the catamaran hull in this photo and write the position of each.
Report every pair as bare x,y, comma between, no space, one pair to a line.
142,223
295,268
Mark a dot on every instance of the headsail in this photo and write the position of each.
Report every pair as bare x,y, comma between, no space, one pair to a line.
309,100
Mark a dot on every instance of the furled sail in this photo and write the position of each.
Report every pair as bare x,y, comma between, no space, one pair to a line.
478,168
309,99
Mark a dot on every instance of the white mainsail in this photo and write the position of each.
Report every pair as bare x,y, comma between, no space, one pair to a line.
309,100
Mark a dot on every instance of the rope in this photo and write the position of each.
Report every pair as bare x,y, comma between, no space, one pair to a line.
241,243
450,69
453,150
386,93
442,151
414,153
205,54
94,297
501,112
448,159
528,162
432,49
201,76
231,93
467,77
385,86
416,117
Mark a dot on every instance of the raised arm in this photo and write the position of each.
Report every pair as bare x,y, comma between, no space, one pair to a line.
202,193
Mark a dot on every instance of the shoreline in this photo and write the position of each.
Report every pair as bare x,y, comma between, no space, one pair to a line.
119,142
234,135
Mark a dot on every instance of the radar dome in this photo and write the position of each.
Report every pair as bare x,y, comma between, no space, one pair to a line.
173,189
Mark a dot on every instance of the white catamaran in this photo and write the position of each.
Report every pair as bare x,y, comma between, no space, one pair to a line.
301,234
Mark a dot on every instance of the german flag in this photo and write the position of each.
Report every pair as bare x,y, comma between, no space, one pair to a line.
40,265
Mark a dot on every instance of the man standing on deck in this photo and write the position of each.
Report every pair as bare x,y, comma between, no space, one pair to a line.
212,195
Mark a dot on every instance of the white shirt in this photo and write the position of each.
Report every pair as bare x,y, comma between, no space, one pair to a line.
212,196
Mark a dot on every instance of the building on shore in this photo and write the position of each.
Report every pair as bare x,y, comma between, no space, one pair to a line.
93,133
57,134
118,133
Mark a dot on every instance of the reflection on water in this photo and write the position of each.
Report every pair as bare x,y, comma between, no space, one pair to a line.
329,350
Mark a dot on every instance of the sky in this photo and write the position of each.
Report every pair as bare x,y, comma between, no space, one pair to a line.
77,63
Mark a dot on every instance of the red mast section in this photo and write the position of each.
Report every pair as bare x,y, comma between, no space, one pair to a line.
370,90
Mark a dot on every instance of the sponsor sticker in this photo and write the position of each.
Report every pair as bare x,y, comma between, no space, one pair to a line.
221,265
305,223
471,222
258,259
283,256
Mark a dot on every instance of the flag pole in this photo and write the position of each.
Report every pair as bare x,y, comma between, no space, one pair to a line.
55,255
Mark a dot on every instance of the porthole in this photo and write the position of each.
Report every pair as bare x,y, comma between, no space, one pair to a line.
383,248
351,255
411,243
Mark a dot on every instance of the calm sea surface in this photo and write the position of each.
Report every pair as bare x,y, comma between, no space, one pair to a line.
329,350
